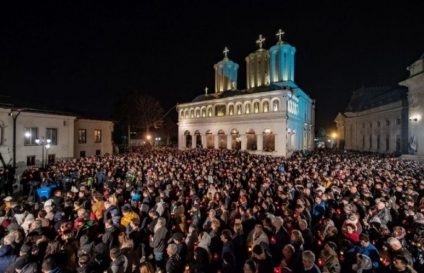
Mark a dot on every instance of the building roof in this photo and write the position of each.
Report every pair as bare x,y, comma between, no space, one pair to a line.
233,93
369,97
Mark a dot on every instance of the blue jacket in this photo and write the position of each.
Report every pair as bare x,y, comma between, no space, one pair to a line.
6,257
372,252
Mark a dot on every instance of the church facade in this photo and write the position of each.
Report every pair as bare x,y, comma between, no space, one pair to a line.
272,116
386,119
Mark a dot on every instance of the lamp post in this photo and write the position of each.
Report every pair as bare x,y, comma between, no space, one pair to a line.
14,113
45,144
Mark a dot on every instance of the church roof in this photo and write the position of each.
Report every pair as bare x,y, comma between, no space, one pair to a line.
369,97
233,93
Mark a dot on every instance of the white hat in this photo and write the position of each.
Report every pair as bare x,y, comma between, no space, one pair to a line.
8,199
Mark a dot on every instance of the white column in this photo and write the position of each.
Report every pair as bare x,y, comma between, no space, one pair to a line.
260,141
229,141
215,142
203,141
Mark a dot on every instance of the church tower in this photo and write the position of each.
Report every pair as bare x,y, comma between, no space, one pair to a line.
257,65
281,60
225,74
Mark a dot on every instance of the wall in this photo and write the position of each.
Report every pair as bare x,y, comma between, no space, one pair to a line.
90,147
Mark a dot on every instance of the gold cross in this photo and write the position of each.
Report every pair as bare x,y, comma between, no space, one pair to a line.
260,41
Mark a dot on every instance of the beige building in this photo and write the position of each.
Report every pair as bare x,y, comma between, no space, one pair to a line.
43,137
93,137
386,119
273,116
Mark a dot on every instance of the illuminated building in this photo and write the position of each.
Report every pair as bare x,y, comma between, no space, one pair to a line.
271,116
386,119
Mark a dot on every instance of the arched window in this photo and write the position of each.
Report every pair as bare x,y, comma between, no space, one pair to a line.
266,107
247,108
186,113
197,113
181,113
222,140
192,113
268,141
203,112
256,107
188,139
210,112
235,140
231,110
251,140
275,107
198,139
209,140
238,109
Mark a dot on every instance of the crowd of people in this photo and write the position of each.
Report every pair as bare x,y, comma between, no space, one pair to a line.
207,211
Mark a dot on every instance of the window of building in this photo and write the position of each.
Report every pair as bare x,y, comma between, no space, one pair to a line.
238,109
197,113
247,109
203,112
82,136
51,133
275,105
256,107
51,159
182,114
98,152
82,153
363,125
378,124
378,142
220,110
31,160
191,113
31,134
210,112
363,142
370,142
266,107
370,124
398,121
387,122
231,110
97,136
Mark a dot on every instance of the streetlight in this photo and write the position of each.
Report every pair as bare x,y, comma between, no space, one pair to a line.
14,113
45,143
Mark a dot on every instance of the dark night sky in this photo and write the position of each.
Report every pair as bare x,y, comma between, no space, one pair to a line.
84,54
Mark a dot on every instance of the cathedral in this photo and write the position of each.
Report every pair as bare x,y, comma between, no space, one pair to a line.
272,116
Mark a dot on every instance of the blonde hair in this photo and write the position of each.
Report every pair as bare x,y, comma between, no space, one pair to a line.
298,237
146,267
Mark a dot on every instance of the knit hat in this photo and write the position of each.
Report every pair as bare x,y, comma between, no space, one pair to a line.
333,245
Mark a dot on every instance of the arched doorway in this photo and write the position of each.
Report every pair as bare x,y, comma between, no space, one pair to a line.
222,140
198,139
251,140
235,140
269,141
188,139
209,140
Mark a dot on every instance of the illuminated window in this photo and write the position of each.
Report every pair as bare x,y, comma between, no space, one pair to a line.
256,107
220,110
181,114
97,136
31,134
231,110
275,105
51,133
238,109
209,112
266,107
197,113
203,112
247,108
192,113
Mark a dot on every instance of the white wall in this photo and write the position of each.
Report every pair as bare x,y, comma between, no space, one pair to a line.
65,141
90,147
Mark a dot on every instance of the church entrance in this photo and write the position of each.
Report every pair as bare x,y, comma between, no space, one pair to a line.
209,140
269,141
251,140
188,139
235,140
222,140
198,139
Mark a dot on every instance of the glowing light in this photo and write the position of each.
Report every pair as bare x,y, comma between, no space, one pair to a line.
334,135
27,134
48,146
148,137
37,141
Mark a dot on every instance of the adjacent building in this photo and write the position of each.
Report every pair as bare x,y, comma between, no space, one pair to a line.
43,137
386,119
272,116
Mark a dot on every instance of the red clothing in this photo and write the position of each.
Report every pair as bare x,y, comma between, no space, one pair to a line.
353,237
